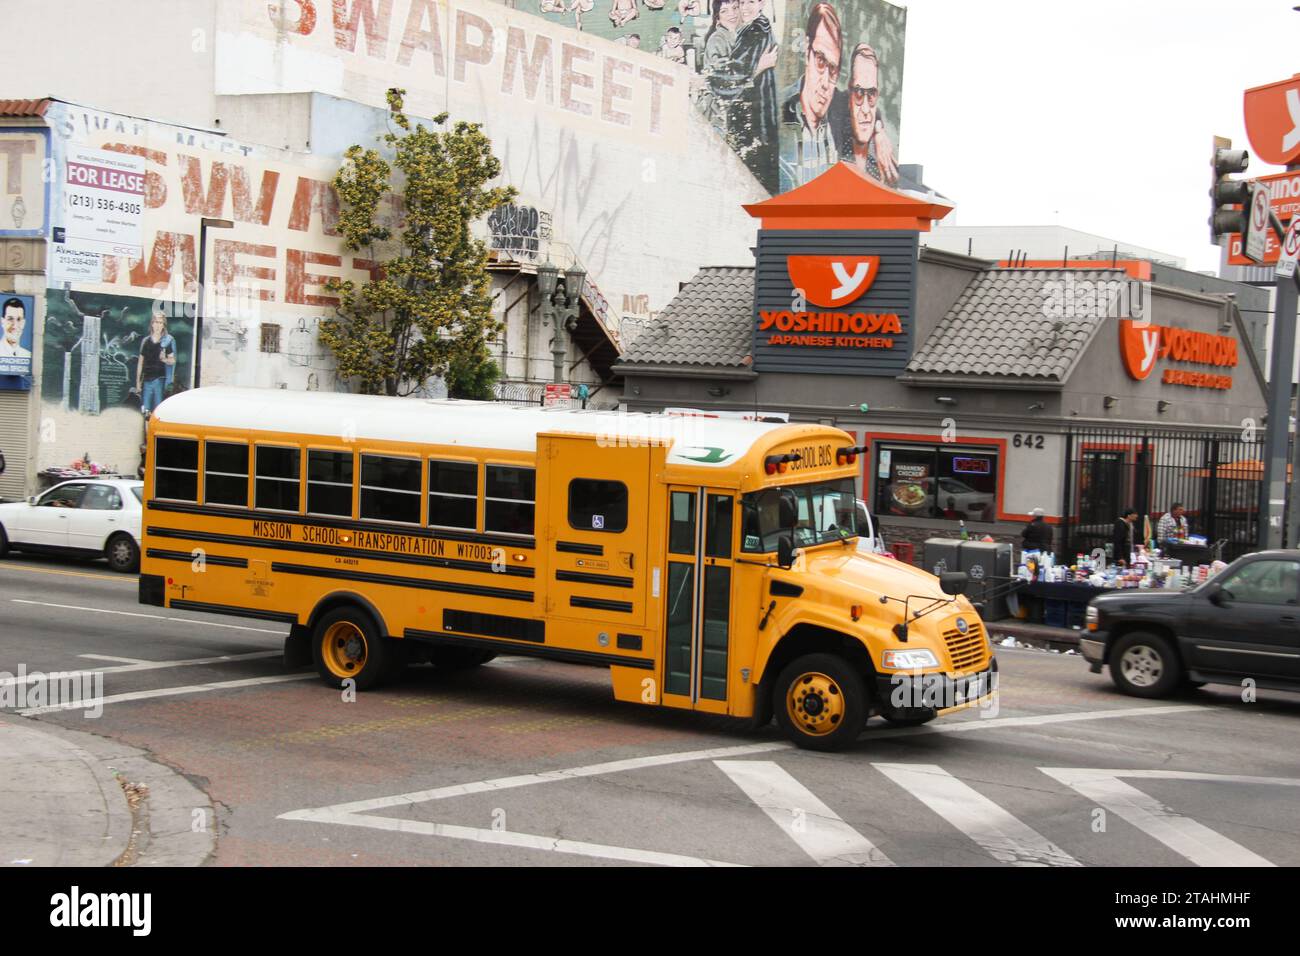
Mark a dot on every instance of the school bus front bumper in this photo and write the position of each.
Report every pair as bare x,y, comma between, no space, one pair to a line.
910,691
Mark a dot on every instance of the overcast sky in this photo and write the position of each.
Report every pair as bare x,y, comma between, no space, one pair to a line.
1095,115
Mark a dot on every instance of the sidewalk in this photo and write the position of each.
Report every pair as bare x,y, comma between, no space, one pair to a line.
1037,635
70,798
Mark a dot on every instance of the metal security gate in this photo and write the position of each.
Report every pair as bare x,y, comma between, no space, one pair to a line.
1214,475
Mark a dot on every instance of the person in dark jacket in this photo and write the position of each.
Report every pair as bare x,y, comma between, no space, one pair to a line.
1037,535
752,124
1122,538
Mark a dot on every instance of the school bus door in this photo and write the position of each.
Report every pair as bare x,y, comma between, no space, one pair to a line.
697,598
597,511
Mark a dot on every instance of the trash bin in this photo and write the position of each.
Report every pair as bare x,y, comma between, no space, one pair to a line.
941,554
904,551
989,565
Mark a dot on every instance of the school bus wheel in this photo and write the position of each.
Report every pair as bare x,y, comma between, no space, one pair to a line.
820,702
346,644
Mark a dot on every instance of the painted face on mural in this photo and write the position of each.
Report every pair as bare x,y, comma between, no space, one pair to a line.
750,9
157,326
864,93
15,318
729,13
820,74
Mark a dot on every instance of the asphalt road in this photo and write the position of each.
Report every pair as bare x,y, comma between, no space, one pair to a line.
524,762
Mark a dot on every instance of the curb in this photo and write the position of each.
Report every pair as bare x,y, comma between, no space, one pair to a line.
1036,635
157,831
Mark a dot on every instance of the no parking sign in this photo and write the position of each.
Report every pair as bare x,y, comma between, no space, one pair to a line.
1290,249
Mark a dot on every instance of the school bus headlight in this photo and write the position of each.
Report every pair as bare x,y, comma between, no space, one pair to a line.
908,660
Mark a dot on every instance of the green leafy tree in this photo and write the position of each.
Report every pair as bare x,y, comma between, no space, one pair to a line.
427,305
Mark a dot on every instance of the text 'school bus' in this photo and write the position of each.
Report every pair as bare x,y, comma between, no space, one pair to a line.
711,565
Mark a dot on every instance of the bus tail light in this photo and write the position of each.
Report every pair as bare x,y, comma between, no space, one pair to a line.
779,464
849,456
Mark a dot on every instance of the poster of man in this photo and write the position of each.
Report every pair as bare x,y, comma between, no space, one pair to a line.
15,334
110,351
843,103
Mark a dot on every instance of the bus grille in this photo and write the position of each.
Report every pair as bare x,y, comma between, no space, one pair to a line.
969,651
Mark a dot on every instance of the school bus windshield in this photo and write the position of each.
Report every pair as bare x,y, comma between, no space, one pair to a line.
814,513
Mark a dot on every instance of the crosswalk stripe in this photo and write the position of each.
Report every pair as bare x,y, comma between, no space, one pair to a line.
1005,837
1186,837
815,827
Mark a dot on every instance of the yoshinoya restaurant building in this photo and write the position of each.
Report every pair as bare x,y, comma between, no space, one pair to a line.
979,392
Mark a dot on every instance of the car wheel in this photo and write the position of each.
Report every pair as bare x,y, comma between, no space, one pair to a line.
1145,665
4,542
346,645
122,553
820,702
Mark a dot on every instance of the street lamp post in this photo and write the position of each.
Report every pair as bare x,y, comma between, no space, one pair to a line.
561,301
204,225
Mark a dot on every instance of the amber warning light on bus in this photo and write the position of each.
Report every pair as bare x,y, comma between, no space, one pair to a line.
779,464
849,456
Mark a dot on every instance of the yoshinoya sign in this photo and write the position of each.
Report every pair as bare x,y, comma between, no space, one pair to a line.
1284,197
837,303
1142,345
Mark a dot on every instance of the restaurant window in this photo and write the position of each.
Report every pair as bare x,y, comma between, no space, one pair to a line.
937,481
225,473
508,504
176,469
329,483
390,489
596,505
453,494
275,486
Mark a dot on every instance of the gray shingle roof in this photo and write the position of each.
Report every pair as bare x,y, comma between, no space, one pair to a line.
708,323
1002,326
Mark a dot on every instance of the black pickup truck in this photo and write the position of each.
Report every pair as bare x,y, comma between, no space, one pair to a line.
1243,623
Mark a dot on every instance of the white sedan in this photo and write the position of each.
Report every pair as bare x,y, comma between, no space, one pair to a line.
92,517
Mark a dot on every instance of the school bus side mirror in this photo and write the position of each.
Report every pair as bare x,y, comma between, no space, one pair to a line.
953,582
784,552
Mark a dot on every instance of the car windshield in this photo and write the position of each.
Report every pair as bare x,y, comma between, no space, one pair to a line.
812,514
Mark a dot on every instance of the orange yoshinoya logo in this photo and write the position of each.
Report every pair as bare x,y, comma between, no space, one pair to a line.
1139,345
1273,121
832,281
1142,345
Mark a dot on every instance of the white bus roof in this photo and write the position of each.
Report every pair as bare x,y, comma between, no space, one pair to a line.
449,422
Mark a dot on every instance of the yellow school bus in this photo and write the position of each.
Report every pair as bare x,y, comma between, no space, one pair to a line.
711,565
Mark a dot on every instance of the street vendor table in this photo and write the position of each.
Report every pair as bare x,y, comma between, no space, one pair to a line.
1062,602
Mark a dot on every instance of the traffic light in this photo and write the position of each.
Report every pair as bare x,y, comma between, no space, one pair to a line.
1225,192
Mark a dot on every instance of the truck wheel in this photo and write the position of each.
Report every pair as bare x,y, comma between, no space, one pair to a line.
122,553
347,645
1145,665
820,702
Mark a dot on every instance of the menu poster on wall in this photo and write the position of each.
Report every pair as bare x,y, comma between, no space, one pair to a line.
103,203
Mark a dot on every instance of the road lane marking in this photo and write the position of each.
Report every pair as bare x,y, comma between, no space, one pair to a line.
528,841
142,666
1039,720
154,617
546,776
1195,841
116,578
1005,837
816,828
163,692
116,660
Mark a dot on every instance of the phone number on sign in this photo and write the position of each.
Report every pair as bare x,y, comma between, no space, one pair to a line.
92,202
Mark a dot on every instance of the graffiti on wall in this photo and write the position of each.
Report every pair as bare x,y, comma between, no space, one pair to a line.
518,230
111,351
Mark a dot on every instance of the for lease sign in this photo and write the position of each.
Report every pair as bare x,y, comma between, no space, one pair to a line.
103,201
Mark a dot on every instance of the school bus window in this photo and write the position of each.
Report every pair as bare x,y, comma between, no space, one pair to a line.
812,514
176,469
453,494
681,524
508,505
225,473
596,505
390,489
717,530
677,644
275,486
717,609
329,483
